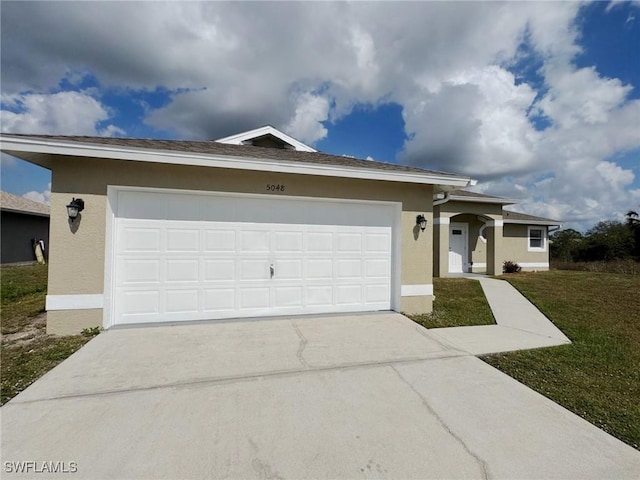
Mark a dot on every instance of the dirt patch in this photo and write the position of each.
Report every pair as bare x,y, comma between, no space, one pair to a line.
36,329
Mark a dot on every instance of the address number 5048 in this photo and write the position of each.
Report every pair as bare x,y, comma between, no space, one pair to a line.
275,188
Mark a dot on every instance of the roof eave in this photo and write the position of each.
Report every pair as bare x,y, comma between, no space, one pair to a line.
25,212
533,222
501,201
33,148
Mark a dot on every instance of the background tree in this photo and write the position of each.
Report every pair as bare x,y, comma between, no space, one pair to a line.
566,245
633,222
608,240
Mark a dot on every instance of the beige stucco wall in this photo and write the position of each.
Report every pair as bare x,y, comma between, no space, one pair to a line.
77,251
516,243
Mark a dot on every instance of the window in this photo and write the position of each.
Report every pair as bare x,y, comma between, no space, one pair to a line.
537,239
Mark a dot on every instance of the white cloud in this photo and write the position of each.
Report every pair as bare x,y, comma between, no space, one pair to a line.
306,124
69,113
41,197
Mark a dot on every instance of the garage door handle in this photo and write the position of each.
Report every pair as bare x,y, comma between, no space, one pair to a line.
273,270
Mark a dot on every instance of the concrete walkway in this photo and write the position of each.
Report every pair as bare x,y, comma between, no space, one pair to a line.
519,324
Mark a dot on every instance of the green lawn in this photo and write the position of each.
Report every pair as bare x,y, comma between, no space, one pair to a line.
27,352
598,375
458,302
23,290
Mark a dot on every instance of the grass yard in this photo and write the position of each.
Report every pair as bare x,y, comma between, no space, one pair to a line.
598,376
459,302
27,352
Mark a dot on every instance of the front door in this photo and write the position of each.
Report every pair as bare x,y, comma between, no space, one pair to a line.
458,245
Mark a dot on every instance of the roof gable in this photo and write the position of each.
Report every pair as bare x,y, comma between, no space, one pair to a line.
267,136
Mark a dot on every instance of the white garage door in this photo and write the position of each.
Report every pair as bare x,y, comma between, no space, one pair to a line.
184,257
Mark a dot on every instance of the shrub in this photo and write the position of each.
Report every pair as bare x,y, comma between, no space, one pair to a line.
91,332
510,267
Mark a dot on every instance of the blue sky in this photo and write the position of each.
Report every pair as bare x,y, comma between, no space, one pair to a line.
538,101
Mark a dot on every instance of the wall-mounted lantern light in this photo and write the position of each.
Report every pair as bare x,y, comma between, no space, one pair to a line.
420,220
74,208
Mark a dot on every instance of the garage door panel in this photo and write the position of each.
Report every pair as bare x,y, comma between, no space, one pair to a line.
182,240
216,262
220,269
349,243
319,242
288,242
377,293
182,270
140,302
255,241
348,294
378,267
181,301
222,240
288,297
349,268
378,243
252,298
139,239
255,269
219,299
320,269
288,269
320,295
137,270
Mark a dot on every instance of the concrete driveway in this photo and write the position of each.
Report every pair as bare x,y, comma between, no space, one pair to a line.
359,396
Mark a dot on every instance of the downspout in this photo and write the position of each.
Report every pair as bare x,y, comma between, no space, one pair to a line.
442,200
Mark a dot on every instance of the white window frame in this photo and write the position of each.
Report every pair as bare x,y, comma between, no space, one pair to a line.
543,229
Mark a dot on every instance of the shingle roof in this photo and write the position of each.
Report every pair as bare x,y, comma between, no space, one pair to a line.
464,193
248,151
15,203
523,217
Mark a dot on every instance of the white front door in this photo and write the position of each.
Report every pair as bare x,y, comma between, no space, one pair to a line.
189,256
458,247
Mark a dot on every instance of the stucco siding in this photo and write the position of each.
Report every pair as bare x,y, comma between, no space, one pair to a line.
77,250
72,322
515,247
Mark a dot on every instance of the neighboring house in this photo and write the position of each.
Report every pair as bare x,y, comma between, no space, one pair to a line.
21,221
473,233
255,224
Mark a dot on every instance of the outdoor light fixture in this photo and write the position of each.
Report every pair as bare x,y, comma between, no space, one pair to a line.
420,220
74,208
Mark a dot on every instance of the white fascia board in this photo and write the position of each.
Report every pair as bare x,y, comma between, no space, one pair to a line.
25,212
533,222
223,161
501,201
239,138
